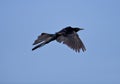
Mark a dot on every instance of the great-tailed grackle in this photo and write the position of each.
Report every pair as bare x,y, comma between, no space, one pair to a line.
67,36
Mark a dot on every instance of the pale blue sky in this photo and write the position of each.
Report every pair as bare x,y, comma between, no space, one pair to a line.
21,21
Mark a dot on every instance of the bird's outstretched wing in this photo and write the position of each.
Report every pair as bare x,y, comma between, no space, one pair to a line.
73,41
43,39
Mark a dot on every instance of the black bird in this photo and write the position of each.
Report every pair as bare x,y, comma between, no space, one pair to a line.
67,36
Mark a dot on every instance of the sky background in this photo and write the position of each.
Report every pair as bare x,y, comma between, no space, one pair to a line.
21,21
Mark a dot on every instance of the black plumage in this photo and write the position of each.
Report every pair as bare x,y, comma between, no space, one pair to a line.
67,36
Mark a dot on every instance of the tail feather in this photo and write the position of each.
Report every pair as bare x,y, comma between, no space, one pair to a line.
53,37
38,46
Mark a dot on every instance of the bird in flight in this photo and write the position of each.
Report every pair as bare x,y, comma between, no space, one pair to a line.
66,36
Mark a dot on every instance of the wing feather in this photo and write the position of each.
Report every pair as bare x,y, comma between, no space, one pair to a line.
73,41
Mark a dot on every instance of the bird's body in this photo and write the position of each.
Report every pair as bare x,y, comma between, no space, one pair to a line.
67,35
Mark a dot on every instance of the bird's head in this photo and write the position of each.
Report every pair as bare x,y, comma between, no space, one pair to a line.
78,29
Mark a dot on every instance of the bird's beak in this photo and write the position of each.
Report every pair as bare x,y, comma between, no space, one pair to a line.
81,29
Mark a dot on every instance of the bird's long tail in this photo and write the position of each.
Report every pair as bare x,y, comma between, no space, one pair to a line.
45,42
38,46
